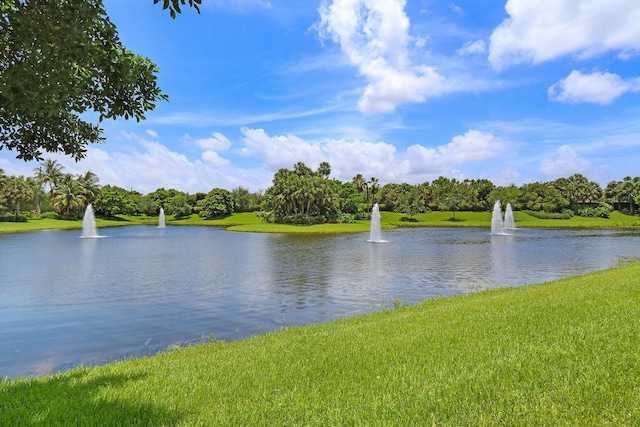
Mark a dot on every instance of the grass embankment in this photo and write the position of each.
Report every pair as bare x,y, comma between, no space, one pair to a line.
560,353
483,219
250,222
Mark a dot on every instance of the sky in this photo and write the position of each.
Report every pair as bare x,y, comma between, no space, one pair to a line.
512,91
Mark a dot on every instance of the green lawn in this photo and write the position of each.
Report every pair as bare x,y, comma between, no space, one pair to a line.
483,219
249,221
560,353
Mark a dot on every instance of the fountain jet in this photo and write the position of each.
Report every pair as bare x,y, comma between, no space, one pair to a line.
375,235
161,219
89,229
509,222
497,226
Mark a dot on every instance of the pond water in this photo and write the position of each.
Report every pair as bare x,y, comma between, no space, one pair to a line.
67,301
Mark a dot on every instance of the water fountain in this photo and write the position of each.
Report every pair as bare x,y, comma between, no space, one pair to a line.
497,226
509,222
161,219
375,233
89,229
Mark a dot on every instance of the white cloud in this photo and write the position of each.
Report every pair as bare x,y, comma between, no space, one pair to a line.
278,151
379,159
473,146
542,30
217,142
152,133
374,36
473,48
147,165
597,88
566,163
212,158
456,9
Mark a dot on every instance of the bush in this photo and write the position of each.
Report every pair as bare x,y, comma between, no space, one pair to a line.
13,218
49,215
602,210
549,215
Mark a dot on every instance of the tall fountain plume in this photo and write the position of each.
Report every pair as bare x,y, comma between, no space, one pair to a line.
509,222
497,226
89,229
375,234
161,219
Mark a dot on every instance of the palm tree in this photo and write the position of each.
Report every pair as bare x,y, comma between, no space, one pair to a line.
628,190
90,187
17,190
612,194
49,172
69,196
300,169
359,182
324,169
375,186
38,192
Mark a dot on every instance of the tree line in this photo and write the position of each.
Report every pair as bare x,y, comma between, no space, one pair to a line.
302,195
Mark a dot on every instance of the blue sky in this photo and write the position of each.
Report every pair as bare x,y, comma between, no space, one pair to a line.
405,91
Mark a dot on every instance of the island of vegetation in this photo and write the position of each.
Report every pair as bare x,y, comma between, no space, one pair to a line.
301,199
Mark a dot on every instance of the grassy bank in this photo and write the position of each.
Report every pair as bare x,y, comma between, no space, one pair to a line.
560,353
250,222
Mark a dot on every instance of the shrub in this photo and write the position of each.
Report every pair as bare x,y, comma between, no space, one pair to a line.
13,218
602,210
49,215
549,215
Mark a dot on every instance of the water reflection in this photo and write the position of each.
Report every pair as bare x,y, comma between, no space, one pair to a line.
66,300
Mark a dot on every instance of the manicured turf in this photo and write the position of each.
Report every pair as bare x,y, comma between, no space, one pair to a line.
250,222
560,353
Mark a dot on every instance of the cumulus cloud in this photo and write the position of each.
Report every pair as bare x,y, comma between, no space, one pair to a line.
147,165
216,141
380,159
374,34
473,146
277,151
541,30
597,88
566,163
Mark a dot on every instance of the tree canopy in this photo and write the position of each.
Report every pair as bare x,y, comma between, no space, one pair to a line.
60,59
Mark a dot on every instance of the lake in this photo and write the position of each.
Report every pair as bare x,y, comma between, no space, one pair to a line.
67,301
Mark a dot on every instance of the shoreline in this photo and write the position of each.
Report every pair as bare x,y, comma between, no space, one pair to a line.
249,222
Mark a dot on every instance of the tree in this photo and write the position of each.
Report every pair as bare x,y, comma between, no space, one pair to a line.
244,200
577,189
60,59
219,202
178,206
50,173
374,187
17,191
351,201
409,200
324,169
454,198
174,5
360,182
90,187
68,198
628,190
115,201
3,200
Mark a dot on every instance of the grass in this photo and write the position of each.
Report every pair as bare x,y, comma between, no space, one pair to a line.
483,219
250,222
560,353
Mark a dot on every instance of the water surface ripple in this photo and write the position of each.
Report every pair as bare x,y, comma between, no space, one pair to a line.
66,301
